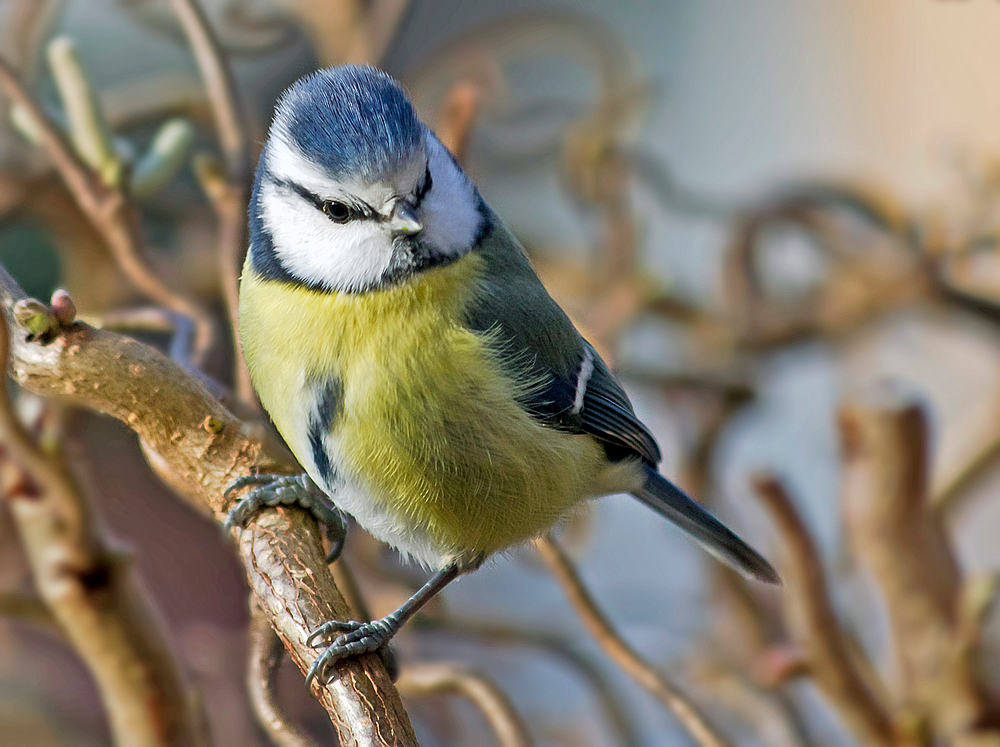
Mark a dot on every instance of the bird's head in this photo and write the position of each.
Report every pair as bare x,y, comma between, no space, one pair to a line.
353,192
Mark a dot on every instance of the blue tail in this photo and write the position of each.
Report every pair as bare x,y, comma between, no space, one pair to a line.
670,501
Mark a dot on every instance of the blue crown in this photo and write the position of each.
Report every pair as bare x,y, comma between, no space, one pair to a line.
351,120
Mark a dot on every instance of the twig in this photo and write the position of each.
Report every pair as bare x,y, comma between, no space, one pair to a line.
623,655
909,552
813,622
198,447
421,679
111,213
229,195
457,116
28,608
266,655
92,594
557,647
229,121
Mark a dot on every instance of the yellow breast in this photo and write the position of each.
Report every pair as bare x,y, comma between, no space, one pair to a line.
430,424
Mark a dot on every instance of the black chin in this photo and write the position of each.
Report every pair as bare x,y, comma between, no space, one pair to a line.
414,255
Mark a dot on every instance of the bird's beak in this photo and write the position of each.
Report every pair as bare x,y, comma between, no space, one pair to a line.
404,219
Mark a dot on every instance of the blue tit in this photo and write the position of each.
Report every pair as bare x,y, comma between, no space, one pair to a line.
413,362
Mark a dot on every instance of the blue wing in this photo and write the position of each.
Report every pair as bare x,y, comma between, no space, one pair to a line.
514,306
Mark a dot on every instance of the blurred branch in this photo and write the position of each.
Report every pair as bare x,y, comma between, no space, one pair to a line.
623,655
490,700
28,608
813,622
228,192
907,547
198,447
24,29
457,116
111,213
557,647
92,593
266,655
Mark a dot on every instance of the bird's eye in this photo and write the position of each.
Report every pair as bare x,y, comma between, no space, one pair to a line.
338,212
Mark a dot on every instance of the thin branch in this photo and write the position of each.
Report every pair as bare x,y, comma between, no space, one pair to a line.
229,121
111,213
266,655
813,621
28,608
457,116
230,193
624,655
506,724
198,447
92,594
559,648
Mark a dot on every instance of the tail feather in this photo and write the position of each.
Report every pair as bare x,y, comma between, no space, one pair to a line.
670,501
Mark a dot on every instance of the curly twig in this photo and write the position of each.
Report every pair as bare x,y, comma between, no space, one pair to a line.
266,655
420,679
624,655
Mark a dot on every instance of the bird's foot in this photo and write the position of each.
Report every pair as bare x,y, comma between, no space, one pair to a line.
270,491
354,639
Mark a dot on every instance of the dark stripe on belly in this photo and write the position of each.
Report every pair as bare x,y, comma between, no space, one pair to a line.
329,405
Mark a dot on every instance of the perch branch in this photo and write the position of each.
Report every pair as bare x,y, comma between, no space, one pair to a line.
623,655
813,621
421,679
110,212
92,594
198,447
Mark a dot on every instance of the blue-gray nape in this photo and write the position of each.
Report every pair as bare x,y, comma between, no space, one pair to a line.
352,121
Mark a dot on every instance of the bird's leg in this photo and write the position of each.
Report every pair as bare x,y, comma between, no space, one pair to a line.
288,490
360,638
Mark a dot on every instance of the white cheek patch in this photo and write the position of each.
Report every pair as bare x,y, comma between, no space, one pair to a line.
314,249
450,210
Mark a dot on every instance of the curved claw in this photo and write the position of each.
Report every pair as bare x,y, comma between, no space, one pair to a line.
287,490
362,638
331,626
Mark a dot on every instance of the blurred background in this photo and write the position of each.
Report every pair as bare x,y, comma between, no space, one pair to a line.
779,223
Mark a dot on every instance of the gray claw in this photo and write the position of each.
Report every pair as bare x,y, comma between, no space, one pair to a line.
360,638
287,490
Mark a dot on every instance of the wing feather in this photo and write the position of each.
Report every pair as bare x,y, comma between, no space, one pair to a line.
514,307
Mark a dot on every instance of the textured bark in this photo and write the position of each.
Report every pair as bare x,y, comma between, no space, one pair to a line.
199,448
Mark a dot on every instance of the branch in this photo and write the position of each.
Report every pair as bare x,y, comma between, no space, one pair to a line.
813,621
229,121
623,655
907,547
457,117
491,701
266,654
559,648
198,447
92,594
110,212
228,191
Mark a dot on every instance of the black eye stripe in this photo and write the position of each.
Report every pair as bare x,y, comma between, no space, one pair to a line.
358,211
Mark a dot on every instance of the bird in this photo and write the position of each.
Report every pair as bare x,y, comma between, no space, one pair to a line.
415,365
